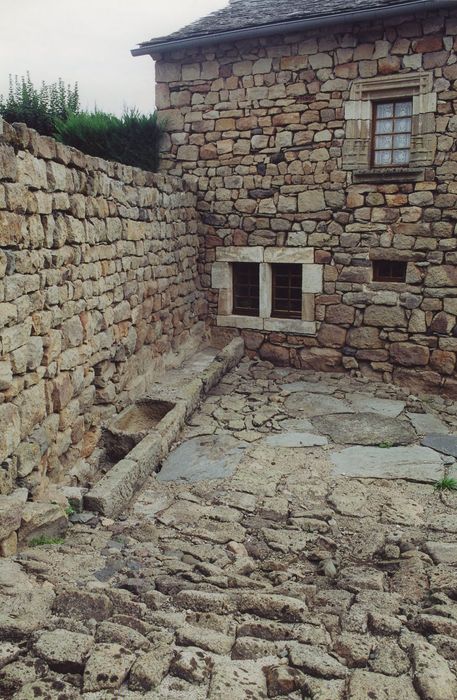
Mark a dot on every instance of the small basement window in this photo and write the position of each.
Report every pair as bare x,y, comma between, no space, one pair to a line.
246,288
392,133
389,271
286,290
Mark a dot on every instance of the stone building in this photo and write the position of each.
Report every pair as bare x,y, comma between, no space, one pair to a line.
321,134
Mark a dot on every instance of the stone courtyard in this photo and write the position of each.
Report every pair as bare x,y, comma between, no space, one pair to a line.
293,544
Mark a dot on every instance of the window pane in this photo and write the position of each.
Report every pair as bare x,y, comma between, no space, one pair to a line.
383,157
287,290
384,110
401,157
403,125
403,109
402,141
246,288
383,142
392,133
385,126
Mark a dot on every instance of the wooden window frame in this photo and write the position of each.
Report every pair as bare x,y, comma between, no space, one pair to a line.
290,269
374,122
253,286
379,276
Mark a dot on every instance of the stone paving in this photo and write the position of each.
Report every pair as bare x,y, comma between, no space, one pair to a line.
293,545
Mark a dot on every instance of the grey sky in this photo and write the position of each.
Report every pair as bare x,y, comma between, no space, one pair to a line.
89,42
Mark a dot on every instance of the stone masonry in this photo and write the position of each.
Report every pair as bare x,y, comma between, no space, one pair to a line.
276,130
98,286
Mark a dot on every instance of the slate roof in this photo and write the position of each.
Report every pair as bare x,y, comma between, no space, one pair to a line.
242,14
250,13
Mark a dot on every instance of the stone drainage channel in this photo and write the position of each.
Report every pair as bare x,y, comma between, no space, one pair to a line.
144,432
292,545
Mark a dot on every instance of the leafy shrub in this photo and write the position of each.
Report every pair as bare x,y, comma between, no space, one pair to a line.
39,108
54,110
132,139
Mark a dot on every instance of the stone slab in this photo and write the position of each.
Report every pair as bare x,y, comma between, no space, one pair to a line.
365,429
299,425
447,522
426,424
310,405
377,686
442,552
446,444
411,463
311,387
368,404
8,653
295,439
238,680
202,458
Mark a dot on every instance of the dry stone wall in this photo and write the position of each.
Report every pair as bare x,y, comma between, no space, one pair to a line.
98,287
276,131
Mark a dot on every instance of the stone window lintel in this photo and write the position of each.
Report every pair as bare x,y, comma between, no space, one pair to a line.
387,86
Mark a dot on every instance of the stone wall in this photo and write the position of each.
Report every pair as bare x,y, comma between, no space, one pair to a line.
277,132
98,287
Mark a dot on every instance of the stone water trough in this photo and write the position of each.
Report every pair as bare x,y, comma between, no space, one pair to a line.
133,424
140,437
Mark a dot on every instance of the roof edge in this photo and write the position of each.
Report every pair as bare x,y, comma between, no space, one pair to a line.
166,46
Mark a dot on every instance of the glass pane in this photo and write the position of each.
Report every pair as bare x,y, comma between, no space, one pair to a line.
383,142
384,110
385,126
402,141
246,288
401,157
403,125
383,158
403,109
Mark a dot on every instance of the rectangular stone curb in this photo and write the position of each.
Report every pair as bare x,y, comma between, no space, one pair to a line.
224,361
171,425
112,494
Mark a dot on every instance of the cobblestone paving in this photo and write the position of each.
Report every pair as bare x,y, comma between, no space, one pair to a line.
285,577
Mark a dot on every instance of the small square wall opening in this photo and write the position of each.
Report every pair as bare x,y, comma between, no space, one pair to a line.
389,270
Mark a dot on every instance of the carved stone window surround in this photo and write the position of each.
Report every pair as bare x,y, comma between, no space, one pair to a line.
222,279
358,115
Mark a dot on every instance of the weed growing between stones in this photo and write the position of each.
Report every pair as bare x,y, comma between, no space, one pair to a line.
447,483
42,540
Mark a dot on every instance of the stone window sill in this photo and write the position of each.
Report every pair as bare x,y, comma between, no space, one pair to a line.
388,175
281,325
